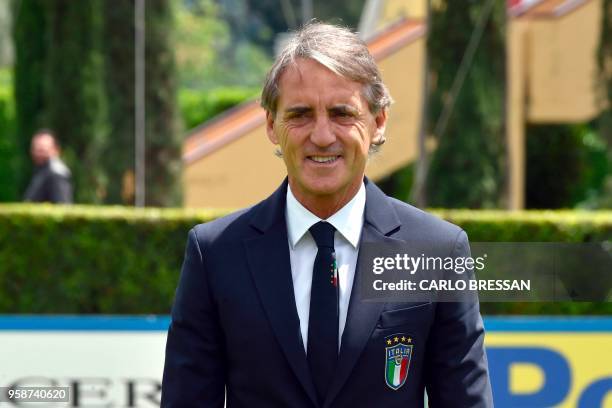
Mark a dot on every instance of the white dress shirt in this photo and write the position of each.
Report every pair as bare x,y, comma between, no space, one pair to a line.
303,250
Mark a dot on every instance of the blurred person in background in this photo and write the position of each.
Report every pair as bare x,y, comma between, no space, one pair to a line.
51,180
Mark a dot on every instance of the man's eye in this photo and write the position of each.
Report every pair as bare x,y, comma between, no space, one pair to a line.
343,117
298,114
298,118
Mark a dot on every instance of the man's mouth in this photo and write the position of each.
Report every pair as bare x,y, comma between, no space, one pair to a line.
323,159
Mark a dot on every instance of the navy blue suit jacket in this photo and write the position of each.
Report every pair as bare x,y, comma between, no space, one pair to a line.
235,332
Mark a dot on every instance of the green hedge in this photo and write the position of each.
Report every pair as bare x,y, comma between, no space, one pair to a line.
536,226
199,106
85,259
10,155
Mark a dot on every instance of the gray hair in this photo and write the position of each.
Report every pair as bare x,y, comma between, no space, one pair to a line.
339,50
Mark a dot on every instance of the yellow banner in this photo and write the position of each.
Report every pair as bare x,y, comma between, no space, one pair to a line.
550,368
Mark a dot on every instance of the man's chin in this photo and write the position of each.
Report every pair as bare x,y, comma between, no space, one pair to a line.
326,189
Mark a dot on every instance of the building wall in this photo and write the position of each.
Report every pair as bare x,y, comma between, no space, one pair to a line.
239,174
403,74
396,9
562,66
552,78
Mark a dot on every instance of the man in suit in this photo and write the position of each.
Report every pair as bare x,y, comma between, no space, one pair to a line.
265,313
51,181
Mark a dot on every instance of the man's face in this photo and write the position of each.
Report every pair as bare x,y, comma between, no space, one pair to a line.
324,128
42,149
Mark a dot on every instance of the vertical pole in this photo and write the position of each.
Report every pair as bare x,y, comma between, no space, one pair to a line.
139,103
515,105
306,11
418,194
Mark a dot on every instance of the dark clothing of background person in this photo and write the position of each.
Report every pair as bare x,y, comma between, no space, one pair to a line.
51,183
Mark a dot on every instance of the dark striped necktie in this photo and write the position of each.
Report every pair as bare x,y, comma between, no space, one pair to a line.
322,346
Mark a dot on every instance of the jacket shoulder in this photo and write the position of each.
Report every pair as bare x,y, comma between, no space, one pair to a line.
231,227
426,224
243,224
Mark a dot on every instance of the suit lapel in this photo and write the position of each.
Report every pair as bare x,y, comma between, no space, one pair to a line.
268,257
379,219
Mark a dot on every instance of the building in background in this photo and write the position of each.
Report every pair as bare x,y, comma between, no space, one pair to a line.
552,73
216,154
551,78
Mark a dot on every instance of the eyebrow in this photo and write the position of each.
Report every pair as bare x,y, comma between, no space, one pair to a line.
342,108
297,110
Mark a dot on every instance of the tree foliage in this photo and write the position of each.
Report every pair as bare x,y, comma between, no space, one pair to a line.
163,137
197,107
201,36
118,50
466,168
74,73
74,98
566,164
58,85
231,42
214,52
162,134
29,27
6,45
259,20
9,157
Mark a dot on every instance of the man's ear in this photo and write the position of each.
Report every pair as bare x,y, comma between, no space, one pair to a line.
270,117
381,123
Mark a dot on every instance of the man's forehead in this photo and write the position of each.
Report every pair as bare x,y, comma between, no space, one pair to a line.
305,69
43,139
308,78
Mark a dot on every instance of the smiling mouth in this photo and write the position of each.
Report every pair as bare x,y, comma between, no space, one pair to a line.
323,159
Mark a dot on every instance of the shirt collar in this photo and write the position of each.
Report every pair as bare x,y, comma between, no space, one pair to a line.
348,220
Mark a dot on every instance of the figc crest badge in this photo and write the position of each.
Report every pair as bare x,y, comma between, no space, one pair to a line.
398,353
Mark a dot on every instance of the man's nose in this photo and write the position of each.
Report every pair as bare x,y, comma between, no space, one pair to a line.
322,133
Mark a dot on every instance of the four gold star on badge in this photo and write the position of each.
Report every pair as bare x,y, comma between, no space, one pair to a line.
397,340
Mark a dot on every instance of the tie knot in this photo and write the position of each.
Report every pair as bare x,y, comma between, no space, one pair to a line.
323,234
